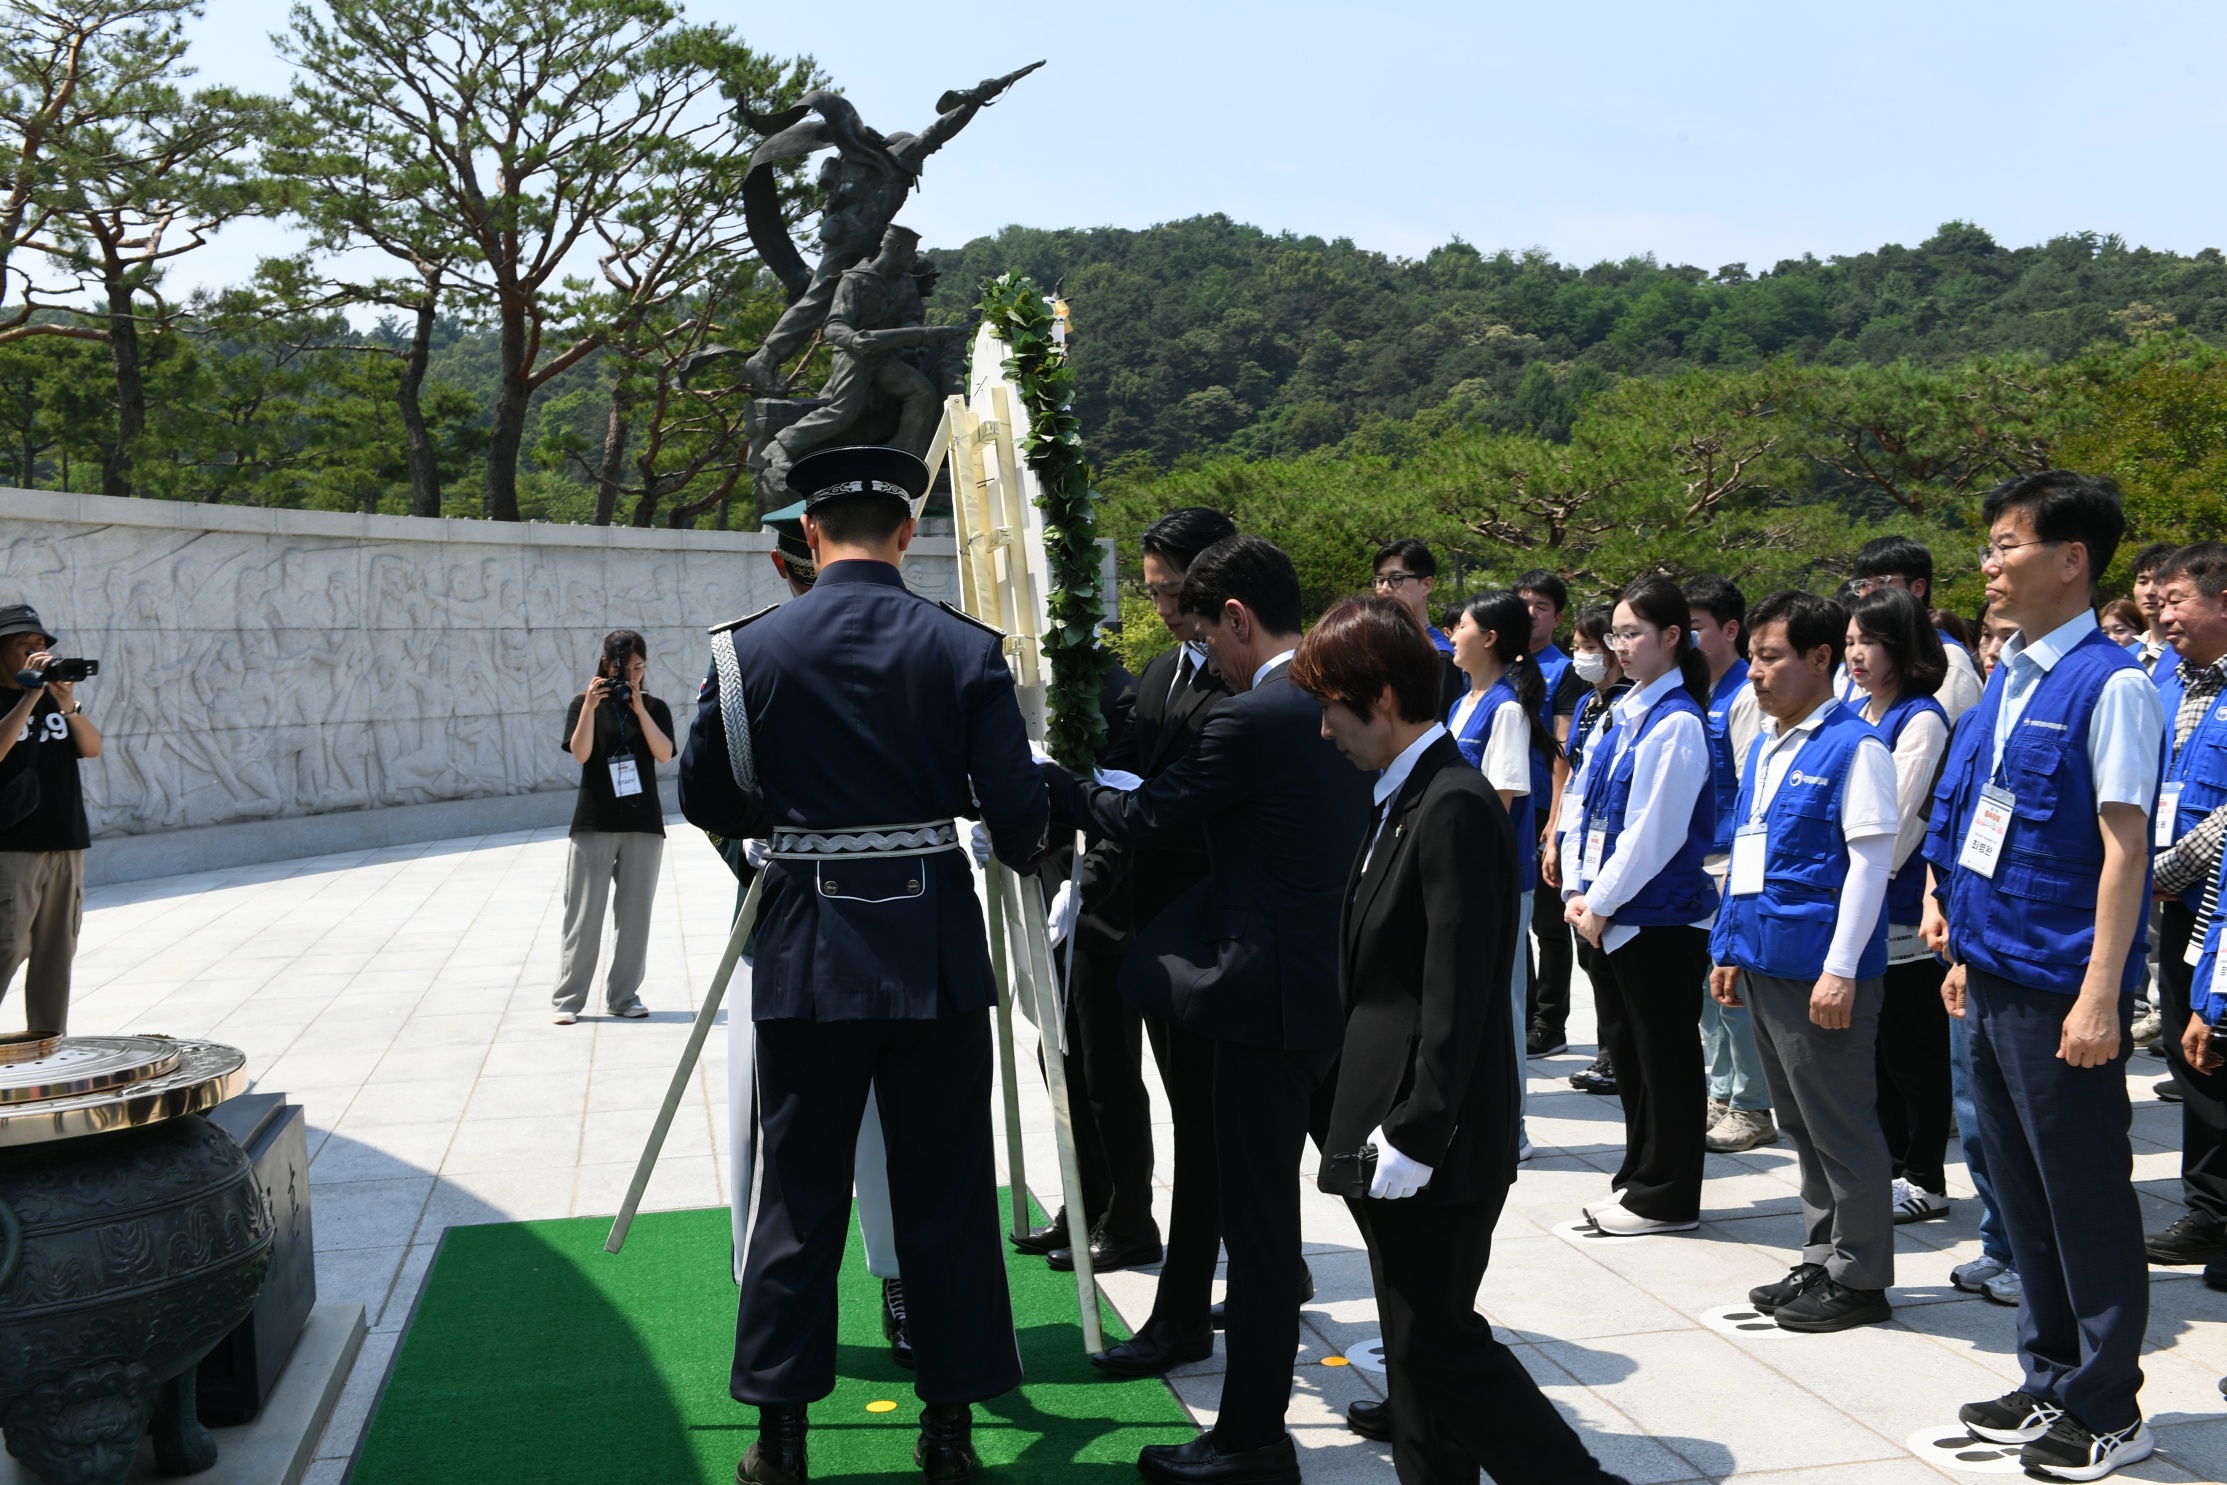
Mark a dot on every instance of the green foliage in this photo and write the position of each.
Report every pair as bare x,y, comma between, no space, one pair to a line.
1016,313
1207,337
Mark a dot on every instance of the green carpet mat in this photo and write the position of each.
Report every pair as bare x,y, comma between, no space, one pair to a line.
535,1356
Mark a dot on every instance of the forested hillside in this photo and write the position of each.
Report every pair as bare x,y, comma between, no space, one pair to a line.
1209,337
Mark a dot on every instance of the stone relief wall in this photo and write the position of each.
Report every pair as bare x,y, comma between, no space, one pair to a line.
258,664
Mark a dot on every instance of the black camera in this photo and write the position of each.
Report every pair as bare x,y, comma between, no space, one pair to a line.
615,658
58,670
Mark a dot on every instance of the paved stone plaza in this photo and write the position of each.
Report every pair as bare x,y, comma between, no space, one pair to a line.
402,997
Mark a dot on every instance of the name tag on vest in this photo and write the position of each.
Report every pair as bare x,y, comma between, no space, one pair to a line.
1596,845
2168,808
1749,848
1983,843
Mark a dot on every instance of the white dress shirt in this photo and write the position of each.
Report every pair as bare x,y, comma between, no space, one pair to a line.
1670,768
1393,779
2126,731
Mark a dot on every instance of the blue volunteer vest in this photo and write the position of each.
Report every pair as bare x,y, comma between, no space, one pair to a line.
1723,767
1553,665
1785,929
1681,892
2035,923
1475,733
2203,993
2199,766
1906,888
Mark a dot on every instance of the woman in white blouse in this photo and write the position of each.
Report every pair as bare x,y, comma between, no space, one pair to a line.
1497,728
1897,662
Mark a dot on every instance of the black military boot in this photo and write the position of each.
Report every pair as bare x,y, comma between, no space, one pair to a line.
945,1452
893,1322
778,1456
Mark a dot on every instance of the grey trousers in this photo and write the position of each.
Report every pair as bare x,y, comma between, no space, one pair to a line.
1824,1085
42,903
600,858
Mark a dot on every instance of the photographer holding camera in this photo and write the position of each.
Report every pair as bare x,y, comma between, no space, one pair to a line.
618,733
43,831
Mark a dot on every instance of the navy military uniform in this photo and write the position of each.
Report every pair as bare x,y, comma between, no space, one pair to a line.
874,718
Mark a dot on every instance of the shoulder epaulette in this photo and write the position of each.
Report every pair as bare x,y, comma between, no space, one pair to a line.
745,619
959,613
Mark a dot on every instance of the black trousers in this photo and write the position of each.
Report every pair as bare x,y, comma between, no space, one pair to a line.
2203,1095
1194,1245
1547,987
1914,1086
1460,1400
1105,1088
1266,1101
1651,1022
931,1080
2061,1159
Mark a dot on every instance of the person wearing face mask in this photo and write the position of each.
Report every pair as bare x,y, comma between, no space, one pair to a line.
1637,889
1594,664
1548,975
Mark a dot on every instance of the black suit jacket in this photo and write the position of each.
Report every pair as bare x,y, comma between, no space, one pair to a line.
1427,944
1161,720
1250,953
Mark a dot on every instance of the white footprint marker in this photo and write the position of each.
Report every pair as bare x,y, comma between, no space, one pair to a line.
1949,1447
1742,1320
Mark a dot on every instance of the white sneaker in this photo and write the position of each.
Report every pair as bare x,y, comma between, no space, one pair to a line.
564,1018
1913,1203
1525,1152
1614,1221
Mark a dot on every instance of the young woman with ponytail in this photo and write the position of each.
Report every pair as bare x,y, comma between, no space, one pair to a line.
1633,879
1497,727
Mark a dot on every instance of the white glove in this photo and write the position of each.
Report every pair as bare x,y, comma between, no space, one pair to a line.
1039,752
1119,778
1396,1175
980,845
757,853
1060,916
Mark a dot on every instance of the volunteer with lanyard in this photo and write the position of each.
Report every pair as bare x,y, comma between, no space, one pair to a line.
1896,661
1498,728
1640,893
2039,845
1801,938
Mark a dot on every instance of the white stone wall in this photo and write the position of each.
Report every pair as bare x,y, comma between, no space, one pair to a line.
272,664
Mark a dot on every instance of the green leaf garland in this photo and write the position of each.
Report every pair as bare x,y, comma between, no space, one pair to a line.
1018,315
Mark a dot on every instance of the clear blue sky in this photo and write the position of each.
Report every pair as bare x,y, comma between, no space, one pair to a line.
1709,133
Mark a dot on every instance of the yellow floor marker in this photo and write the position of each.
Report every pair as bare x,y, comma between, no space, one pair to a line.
881,1405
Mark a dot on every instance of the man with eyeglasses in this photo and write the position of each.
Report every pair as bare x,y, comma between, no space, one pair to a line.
1406,571
2039,848
1899,562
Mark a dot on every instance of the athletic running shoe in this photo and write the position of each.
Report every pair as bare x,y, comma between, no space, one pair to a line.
1972,1277
1914,1203
2070,1451
2013,1418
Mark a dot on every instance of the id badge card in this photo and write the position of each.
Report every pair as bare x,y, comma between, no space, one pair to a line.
2168,809
1750,845
1983,843
1596,846
626,777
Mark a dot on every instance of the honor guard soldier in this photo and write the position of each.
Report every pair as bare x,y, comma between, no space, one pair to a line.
851,726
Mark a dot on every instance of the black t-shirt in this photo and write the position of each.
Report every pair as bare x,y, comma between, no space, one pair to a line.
600,806
1569,691
58,824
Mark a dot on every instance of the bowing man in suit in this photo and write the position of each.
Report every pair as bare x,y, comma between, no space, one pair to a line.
1174,695
1427,1084
1248,958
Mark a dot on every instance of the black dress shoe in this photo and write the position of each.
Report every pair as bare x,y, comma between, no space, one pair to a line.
1200,1463
1218,1316
2189,1240
2167,1090
1544,1041
1154,1350
945,1452
894,1329
1041,1240
1371,1420
1106,1254
777,1458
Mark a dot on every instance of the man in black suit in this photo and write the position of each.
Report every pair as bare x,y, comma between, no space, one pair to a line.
1423,1129
1170,703
1248,958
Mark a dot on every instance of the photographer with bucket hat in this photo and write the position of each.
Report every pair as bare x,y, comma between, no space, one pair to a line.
44,732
